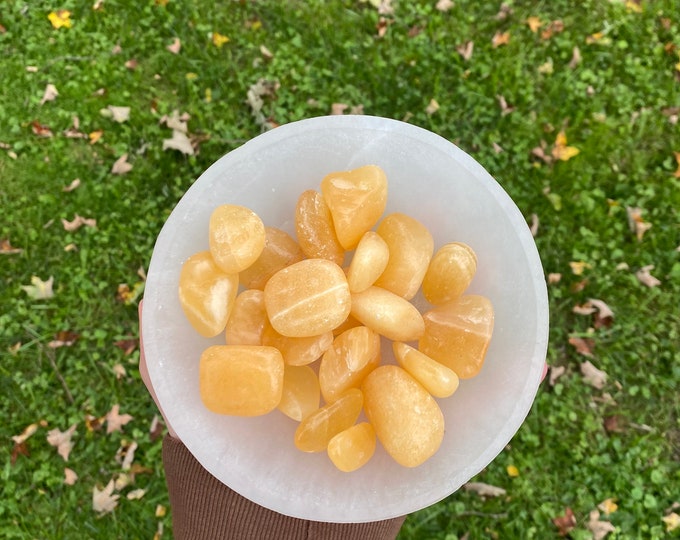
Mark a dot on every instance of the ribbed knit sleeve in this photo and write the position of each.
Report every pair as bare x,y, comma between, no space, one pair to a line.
205,509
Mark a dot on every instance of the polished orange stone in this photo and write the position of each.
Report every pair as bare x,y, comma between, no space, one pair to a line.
206,294
458,334
406,418
298,351
236,236
388,314
247,320
352,448
450,273
436,378
301,394
280,250
315,230
368,262
241,380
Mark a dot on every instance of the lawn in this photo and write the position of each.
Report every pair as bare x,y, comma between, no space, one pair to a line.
111,109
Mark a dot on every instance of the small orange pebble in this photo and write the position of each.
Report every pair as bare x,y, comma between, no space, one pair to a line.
314,228
280,250
406,418
297,351
301,392
458,334
388,314
247,320
206,294
436,378
352,356
352,448
356,200
450,273
307,298
317,429
241,380
411,246
236,237
369,261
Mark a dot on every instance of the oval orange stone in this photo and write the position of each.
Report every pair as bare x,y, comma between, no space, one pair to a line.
450,273
236,237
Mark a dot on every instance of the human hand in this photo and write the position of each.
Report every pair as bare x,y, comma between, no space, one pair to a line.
144,372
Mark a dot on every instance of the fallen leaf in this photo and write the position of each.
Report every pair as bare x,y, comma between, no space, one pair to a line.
121,165
175,46
219,40
484,490
131,64
26,433
75,183
637,225
612,424
93,423
575,58
94,136
444,5
115,421
156,428
70,247
432,107
127,345
117,114
634,6
160,511
39,289
60,18
338,108
65,338
497,147
136,494
560,149
533,228
62,440
555,373
127,295
578,267
546,68
119,371
104,500
513,472
603,313
40,130
565,523
126,455
600,529
593,376
504,12
534,24
70,476
98,5
78,222
554,277
583,346
644,276
176,121
677,160
505,108
180,142
608,506
466,49
50,94
672,521
266,53
6,248
19,449
554,27
500,38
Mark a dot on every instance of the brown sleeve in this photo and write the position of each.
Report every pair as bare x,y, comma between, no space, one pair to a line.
204,508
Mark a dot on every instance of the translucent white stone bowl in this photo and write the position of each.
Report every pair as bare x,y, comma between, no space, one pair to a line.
447,190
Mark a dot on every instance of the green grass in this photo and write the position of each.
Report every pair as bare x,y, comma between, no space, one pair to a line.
615,106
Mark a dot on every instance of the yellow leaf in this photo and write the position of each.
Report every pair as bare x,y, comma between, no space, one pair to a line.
534,24
677,66
513,472
577,267
208,95
672,521
219,40
94,136
61,18
608,506
191,76
561,151
500,38
631,5
677,159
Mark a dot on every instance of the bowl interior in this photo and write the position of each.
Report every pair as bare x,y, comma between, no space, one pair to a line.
429,179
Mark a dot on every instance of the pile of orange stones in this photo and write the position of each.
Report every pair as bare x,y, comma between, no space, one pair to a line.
303,334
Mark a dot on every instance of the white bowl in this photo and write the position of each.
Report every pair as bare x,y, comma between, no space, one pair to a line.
435,182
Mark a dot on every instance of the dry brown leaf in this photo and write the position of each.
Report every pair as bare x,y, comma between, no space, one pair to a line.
266,53
78,222
534,24
637,225
672,521
565,523
70,476
75,183
583,346
28,431
497,147
575,58
500,38
466,49
104,500
175,46
115,421
338,108
121,165
131,64
533,228
6,248
600,529
180,142
176,121
432,107
555,373
136,494
62,440
444,5
126,455
39,289
505,108
484,490
504,12
119,371
593,376
64,338
578,267
644,276
554,27
677,159
50,94
40,130
128,346
116,113
74,131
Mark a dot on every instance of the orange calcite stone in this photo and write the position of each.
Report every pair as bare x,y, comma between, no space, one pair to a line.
356,199
314,228
350,322
352,448
436,378
301,392
458,333
298,351
308,298
236,236
411,246
450,273
406,418
388,314
317,429
369,261
280,250
241,380
206,294
353,355
247,320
